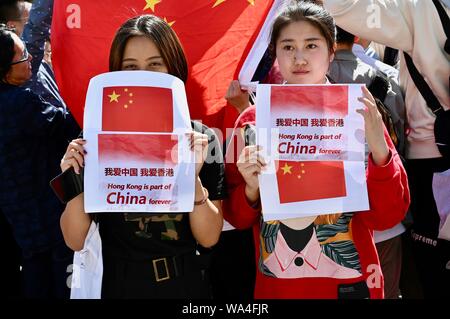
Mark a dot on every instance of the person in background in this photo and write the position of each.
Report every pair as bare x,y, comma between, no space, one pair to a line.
30,129
32,22
347,68
36,33
14,14
414,28
360,51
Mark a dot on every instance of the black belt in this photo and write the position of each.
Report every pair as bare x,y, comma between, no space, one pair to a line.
159,269
165,268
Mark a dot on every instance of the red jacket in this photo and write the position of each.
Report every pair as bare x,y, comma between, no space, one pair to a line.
389,200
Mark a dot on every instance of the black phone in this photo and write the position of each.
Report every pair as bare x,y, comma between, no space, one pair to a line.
68,185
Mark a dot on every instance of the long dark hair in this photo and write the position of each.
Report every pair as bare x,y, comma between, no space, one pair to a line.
304,11
160,33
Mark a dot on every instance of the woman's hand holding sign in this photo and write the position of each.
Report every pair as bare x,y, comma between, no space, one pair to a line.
374,128
250,164
74,156
199,144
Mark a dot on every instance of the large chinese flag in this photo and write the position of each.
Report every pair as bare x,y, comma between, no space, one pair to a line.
139,148
216,34
310,180
137,109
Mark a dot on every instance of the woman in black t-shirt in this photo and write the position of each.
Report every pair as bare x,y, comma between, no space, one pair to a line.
153,255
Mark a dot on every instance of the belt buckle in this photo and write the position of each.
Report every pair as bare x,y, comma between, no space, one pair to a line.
155,268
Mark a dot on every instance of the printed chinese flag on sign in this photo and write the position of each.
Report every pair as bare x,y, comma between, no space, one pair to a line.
311,180
137,109
315,156
143,148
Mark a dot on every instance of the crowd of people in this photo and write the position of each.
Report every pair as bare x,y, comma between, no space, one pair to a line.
390,251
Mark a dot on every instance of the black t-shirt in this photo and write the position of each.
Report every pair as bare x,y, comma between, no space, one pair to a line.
143,236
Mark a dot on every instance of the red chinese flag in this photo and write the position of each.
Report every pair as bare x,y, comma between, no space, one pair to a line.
138,147
216,35
137,109
311,180
320,99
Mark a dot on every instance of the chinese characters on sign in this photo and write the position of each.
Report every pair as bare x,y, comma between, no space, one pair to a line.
137,162
315,150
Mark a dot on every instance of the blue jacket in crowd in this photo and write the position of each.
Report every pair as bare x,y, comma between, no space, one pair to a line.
32,136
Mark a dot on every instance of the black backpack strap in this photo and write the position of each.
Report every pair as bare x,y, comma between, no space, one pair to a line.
379,86
422,86
424,89
445,20
390,56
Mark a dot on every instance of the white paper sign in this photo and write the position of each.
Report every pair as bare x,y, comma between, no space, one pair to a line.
315,150
138,157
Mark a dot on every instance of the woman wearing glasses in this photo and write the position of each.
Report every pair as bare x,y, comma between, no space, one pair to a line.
28,160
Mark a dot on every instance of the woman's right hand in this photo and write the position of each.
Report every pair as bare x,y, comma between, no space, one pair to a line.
237,97
74,156
250,164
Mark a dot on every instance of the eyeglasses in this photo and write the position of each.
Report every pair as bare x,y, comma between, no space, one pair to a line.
23,59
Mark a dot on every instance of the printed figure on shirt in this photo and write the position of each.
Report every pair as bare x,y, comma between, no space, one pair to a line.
319,246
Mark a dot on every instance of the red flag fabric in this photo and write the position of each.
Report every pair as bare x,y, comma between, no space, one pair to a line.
138,147
310,180
330,99
216,35
137,109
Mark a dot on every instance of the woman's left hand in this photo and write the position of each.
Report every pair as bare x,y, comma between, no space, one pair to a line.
199,144
374,128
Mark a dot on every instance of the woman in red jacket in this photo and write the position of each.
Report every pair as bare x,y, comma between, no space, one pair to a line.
329,256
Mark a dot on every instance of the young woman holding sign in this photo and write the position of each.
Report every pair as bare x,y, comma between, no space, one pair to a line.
153,255
329,256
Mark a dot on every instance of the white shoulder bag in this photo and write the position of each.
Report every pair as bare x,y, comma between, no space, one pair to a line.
88,267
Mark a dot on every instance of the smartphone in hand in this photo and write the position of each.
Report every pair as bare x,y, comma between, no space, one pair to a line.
68,185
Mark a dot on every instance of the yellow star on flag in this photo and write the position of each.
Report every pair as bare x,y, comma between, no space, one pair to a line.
218,2
150,4
302,171
114,97
286,169
130,101
169,23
